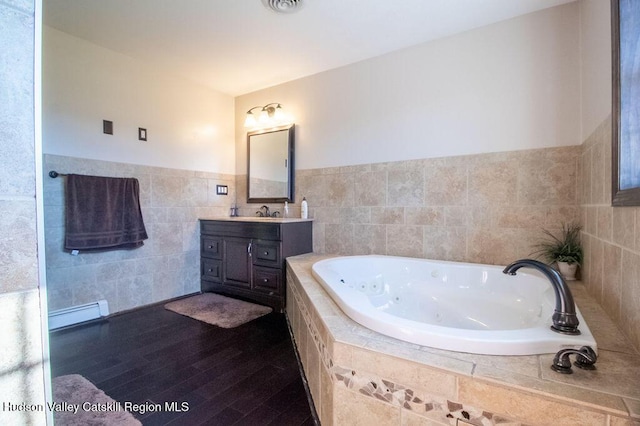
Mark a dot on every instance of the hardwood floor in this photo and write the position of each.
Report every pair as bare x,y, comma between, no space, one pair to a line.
241,376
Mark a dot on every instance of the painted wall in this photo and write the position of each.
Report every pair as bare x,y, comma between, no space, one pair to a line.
595,59
509,86
611,236
23,365
189,126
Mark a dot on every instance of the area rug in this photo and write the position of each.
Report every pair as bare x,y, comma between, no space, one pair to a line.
76,401
218,310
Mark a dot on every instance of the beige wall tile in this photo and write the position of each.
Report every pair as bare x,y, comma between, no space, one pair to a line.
456,215
547,183
595,265
604,223
369,239
492,246
405,188
22,360
629,312
493,183
598,175
445,243
634,408
339,238
325,408
514,216
617,421
563,214
591,226
424,216
340,191
611,279
409,418
624,227
18,258
587,171
445,185
353,409
387,215
524,407
637,239
371,188
404,241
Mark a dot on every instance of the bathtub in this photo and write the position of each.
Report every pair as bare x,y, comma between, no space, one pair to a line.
455,306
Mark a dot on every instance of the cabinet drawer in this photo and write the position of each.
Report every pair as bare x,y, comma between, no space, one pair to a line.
265,231
211,247
211,269
267,280
267,254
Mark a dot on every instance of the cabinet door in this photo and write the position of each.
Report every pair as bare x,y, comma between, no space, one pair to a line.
237,262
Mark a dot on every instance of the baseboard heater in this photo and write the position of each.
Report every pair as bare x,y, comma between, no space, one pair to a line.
77,314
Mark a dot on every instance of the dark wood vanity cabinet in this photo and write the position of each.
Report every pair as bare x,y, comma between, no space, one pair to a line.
246,259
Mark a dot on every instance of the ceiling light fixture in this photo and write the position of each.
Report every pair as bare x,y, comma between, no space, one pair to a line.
272,113
283,6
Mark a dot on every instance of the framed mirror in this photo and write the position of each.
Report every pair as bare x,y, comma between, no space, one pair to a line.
625,179
270,165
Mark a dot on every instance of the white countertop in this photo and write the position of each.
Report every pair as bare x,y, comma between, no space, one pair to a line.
257,219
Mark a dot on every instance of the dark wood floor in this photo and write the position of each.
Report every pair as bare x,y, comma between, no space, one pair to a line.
242,376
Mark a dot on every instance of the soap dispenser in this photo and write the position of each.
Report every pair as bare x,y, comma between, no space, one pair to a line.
286,209
304,209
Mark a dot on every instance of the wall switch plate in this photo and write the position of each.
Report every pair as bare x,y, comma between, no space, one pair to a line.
142,134
107,127
222,189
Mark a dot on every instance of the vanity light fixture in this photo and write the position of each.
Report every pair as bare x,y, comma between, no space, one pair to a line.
269,114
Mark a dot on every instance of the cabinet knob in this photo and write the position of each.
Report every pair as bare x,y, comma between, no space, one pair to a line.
266,280
210,247
210,270
266,253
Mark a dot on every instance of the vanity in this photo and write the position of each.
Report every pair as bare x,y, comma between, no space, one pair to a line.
244,257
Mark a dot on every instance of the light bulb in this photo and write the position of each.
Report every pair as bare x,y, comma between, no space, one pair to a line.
250,121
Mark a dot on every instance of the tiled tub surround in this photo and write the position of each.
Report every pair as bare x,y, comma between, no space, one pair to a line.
485,208
611,237
357,376
166,266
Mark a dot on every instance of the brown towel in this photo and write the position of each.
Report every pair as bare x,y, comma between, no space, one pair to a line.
103,213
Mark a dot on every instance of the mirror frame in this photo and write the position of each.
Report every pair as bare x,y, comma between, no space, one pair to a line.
629,196
291,162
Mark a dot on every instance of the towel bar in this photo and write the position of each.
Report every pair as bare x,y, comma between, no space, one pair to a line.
54,174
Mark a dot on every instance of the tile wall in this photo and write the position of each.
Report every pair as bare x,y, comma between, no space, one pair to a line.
166,266
22,363
611,237
486,208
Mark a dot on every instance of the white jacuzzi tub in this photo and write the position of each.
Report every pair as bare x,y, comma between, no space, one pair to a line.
461,307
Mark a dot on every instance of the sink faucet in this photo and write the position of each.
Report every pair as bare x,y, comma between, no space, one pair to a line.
266,212
564,318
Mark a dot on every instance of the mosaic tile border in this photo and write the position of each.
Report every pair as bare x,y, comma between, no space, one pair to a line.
424,404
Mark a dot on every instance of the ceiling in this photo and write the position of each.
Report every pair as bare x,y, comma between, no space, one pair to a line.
238,46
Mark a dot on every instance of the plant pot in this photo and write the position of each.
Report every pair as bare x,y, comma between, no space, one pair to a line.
568,270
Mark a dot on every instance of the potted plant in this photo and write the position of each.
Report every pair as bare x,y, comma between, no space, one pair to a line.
564,250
